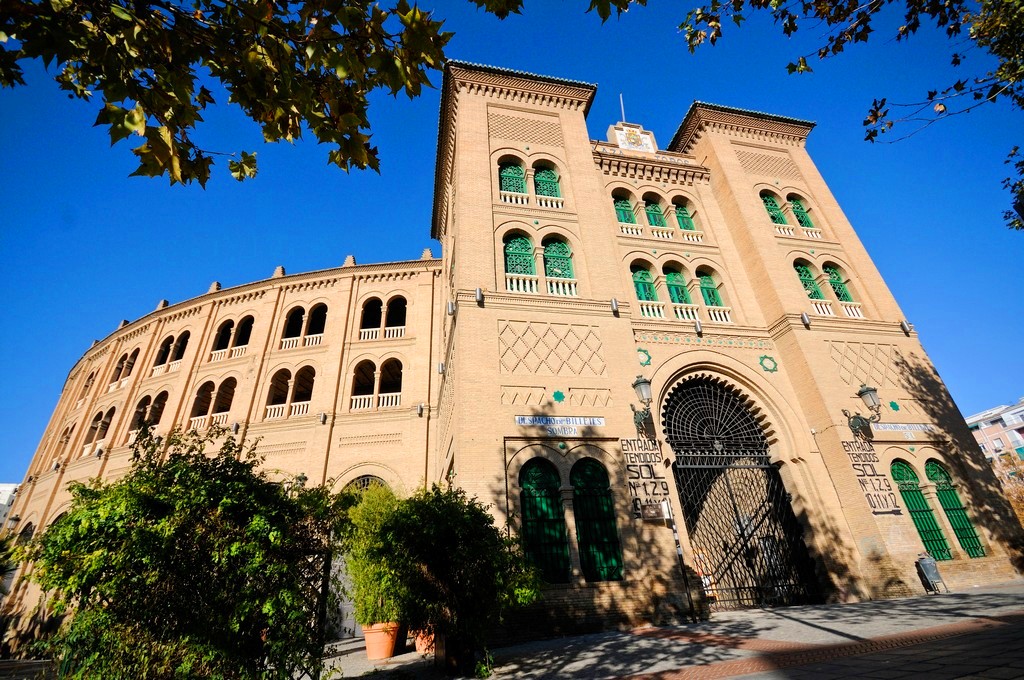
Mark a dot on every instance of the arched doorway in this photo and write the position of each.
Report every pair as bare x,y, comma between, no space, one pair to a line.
747,543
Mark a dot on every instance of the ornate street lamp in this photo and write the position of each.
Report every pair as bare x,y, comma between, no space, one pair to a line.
859,424
642,386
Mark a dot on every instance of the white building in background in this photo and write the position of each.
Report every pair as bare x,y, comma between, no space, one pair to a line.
999,430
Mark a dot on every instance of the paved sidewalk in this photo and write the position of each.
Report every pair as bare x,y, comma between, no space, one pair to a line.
975,634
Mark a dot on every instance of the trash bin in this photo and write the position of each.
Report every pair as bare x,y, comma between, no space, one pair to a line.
928,571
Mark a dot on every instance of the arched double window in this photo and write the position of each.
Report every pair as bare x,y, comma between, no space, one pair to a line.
303,331
544,536
289,397
771,205
231,340
920,512
600,550
98,430
512,178
87,385
124,366
800,212
371,389
171,351
837,282
545,183
148,411
806,277
643,283
955,511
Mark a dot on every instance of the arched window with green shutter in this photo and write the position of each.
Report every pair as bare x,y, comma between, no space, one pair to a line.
684,218
519,255
544,537
557,260
955,511
655,217
806,277
598,537
624,211
643,284
772,206
835,280
709,291
512,178
676,287
924,521
801,213
545,183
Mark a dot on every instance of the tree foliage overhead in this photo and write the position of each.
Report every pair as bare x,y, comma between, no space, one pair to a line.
190,566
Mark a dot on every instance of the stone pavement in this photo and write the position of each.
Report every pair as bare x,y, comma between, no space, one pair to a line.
973,634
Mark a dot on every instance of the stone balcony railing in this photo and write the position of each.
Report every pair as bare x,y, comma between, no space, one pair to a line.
520,283
562,287
514,198
822,307
389,400
685,312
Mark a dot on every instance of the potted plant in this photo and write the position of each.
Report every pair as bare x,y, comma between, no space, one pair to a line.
376,590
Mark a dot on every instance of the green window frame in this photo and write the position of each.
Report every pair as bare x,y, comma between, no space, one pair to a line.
920,512
624,211
677,288
558,260
806,277
545,183
544,536
835,280
684,218
643,284
655,217
519,256
955,511
709,291
512,178
800,212
774,211
596,532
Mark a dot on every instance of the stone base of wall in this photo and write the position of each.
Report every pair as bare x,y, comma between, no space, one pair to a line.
983,571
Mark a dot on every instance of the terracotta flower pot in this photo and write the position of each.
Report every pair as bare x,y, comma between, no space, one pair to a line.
424,641
380,640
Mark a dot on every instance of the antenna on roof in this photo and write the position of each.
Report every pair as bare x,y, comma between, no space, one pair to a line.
622,107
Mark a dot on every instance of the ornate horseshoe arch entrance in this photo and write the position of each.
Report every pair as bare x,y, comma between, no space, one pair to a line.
748,545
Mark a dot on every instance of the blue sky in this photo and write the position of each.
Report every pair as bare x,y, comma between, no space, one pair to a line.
83,245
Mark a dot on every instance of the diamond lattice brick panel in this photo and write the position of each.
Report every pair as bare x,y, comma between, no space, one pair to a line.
517,395
862,363
768,165
524,129
550,349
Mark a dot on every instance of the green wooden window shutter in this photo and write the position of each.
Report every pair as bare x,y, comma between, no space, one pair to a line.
709,291
558,260
684,218
801,213
677,288
835,279
644,285
600,550
808,282
773,209
512,178
924,521
955,511
545,183
624,211
655,218
519,256
545,540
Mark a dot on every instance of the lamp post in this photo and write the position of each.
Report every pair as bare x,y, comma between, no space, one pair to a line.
642,386
859,424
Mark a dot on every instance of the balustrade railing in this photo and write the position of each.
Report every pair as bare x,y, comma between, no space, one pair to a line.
275,411
159,370
391,332
662,232
852,310
238,351
362,402
685,312
87,449
652,310
520,283
132,436
823,307
174,366
514,198
562,287
289,343
784,230
218,355
369,333
299,408
550,201
720,314
692,236
197,423
219,419
389,400
631,229
313,340
811,232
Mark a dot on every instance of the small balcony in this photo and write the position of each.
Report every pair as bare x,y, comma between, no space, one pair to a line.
550,202
393,332
784,230
274,412
811,232
630,229
389,400
299,408
238,351
691,236
218,355
562,287
361,402
662,232
852,310
290,343
219,419
822,307
685,312
652,310
198,423
720,314
369,333
514,198
520,283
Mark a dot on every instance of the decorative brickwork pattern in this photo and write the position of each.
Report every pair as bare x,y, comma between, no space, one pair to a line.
526,348
520,129
586,396
517,395
284,448
865,363
768,165
381,439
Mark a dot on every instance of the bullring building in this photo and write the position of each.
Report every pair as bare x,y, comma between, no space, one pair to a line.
622,337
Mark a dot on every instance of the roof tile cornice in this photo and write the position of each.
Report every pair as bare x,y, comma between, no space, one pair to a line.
657,167
702,116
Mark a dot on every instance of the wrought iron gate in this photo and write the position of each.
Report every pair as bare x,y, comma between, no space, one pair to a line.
747,543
